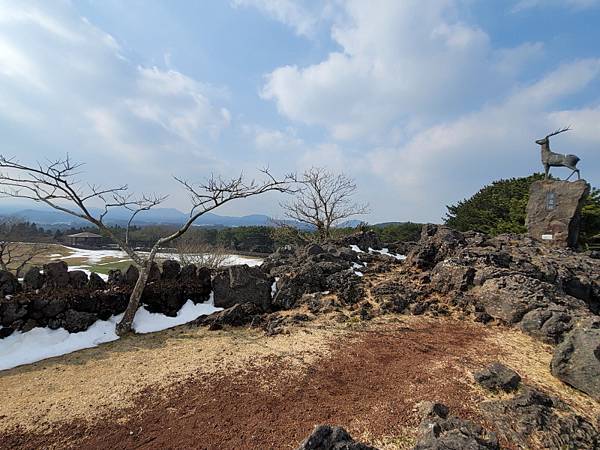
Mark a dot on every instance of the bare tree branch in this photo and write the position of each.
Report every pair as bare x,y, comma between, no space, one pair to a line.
324,201
55,184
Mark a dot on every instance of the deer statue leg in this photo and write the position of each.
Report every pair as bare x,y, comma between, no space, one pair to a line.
578,176
546,170
567,179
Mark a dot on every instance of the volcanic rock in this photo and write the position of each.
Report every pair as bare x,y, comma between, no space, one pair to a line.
326,437
78,279
438,431
242,284
576,360
498,377
56,275
33,279
170,269
9,284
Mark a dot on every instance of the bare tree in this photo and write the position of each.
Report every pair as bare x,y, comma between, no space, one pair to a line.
324,201
15,255
192,250
57,185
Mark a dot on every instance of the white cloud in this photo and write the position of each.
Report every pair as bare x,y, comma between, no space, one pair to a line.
586,129
289,12
427,105
272,140
399,62
178,104
495,141
90,99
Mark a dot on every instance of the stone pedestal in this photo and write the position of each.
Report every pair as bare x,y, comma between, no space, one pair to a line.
553,211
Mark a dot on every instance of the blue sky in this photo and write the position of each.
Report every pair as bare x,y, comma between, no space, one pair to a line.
422,102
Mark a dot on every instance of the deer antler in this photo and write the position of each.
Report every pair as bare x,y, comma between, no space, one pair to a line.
559,131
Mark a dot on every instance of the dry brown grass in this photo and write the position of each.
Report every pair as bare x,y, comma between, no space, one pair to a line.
92,381
531,359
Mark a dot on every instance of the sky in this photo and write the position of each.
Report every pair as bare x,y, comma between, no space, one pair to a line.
422,102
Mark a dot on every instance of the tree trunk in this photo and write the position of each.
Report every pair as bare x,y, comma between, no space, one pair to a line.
124,326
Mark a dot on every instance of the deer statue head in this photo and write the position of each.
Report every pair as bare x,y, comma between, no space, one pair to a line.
545,141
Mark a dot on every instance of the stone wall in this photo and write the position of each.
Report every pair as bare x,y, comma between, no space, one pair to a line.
55,297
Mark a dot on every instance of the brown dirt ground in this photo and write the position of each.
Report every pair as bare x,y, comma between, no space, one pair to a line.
237,389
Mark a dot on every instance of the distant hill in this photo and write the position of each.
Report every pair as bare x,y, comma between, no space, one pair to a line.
50,218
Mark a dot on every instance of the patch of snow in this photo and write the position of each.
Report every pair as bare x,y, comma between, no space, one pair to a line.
383,251
55,256
359,266
233,260
230,260
360,274
87,271
40,343
386,252
274,287
94,256
147,322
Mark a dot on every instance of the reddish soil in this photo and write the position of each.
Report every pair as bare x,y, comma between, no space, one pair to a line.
368,384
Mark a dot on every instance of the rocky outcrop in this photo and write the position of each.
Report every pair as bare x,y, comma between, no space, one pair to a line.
438,430
9,284
242,284
330,268
56,275
553,211
326,437
364,240
96,282
237,315
533,417
549,293
170,269
498,377
78,279
576,360
436,244
33,279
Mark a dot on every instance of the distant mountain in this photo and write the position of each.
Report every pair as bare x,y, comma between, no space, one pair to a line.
385,224
50,218
352,223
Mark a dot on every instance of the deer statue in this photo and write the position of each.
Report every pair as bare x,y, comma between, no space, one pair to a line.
551,159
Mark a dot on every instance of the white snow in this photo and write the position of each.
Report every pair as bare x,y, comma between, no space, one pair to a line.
386,252
94,256
360,274
147,322
274,287
238,259
41,343
87,271
383,251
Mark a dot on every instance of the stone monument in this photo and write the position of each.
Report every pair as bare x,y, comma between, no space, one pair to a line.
553,211
554,207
